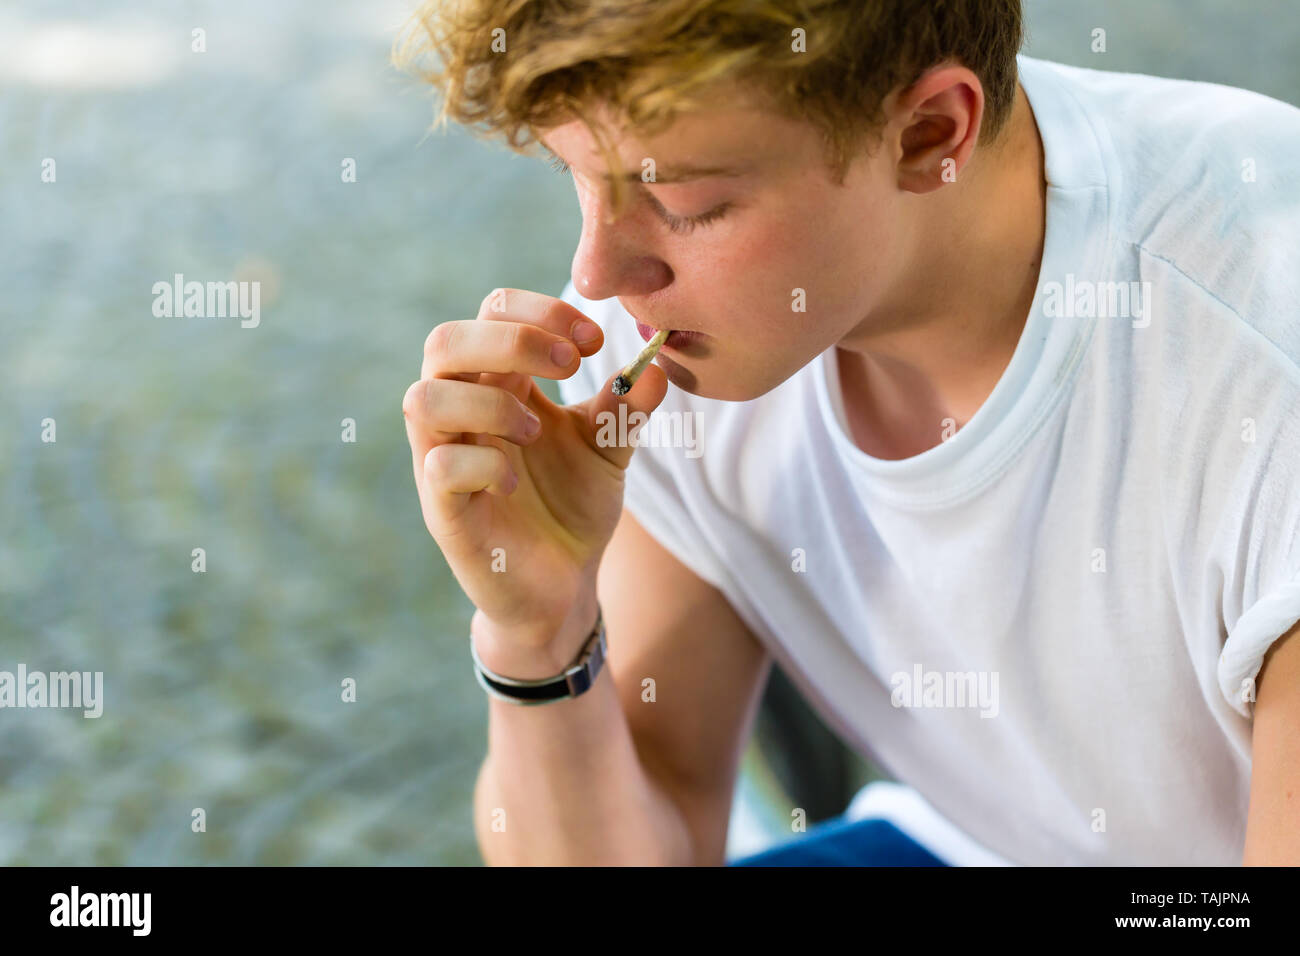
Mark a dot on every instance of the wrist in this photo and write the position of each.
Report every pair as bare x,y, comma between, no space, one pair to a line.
513,653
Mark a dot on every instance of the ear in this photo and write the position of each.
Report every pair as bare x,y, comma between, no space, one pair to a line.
936,123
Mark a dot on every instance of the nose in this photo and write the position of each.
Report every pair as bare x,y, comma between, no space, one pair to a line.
612,257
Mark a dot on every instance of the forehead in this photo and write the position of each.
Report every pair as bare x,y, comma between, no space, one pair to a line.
713,141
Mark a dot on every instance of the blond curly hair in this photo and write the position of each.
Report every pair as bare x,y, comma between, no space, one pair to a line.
511,67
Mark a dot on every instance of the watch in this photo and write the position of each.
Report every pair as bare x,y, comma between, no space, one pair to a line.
573,681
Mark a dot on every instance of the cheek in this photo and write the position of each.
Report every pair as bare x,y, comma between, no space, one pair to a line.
798,261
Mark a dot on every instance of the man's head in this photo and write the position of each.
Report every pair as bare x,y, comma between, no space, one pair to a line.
746,170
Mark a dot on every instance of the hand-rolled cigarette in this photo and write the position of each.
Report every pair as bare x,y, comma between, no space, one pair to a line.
625,379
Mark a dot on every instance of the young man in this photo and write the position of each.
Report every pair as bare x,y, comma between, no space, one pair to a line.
997,421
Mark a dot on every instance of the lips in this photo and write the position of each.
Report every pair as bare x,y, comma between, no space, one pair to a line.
677,339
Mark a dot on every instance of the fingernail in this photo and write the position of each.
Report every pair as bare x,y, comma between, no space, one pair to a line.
584,331
533,425
563,353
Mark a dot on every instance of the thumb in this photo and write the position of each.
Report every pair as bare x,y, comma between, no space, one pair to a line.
615,420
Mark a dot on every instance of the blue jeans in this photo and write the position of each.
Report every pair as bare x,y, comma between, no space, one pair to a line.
840,842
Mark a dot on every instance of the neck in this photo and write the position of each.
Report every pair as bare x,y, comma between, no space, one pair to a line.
927,358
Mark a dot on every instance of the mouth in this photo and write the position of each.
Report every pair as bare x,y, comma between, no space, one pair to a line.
677,340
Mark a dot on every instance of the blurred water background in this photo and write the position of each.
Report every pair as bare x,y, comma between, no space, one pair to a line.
223,688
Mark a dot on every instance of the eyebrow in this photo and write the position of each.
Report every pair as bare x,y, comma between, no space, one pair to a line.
675,173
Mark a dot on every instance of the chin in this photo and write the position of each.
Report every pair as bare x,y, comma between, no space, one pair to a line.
716,386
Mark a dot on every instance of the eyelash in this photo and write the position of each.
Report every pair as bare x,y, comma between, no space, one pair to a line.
686,224
678,224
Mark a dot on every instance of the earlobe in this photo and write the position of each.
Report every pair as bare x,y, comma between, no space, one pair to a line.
928,175
931,168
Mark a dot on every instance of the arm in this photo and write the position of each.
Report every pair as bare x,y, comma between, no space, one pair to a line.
608,777
1273,822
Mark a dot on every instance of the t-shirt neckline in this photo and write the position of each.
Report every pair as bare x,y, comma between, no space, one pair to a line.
1048,348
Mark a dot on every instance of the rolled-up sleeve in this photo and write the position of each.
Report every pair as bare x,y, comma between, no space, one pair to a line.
1254,633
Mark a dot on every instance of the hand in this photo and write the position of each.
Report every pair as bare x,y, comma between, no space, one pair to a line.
498,465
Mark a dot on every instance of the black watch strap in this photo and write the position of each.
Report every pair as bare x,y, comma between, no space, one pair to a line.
576,679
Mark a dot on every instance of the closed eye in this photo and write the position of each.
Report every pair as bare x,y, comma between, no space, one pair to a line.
687,223
678,224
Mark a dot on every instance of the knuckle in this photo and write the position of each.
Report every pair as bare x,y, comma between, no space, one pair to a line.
415,400
505,408
494,301
516,335
531,345
557,314
501,470
495,464
442,339
438,464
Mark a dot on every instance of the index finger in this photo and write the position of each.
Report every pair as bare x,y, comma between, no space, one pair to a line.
546,312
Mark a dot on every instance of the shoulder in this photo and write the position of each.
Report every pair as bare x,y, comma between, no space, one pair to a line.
1204,188
1176,124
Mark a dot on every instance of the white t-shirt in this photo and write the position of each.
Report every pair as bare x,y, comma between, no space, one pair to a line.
1107,548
